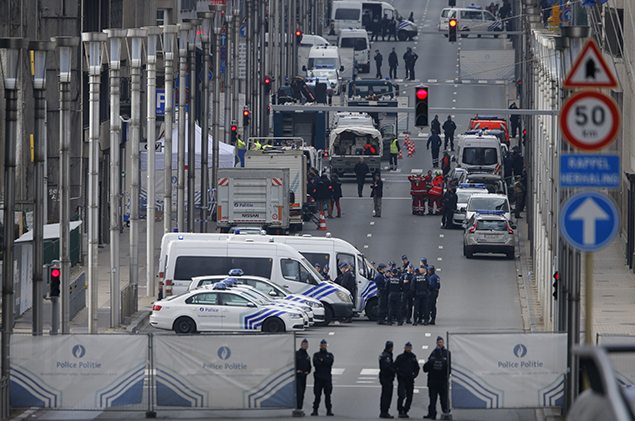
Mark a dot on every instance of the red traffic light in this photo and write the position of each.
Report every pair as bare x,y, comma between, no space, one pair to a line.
452,23
556,276
55,273
298,33
234,128
422,94
267,80
246,113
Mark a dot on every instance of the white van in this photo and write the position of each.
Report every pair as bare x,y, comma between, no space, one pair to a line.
308,41
470,19
480,153
280,263
324,66
357,39
346,14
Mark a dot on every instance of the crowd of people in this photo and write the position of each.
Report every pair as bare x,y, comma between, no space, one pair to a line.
326,192
409,59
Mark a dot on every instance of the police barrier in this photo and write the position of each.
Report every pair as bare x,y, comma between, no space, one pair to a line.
78,371
225,372
508,370
623,363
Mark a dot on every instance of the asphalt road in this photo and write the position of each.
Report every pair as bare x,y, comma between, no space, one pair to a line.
476,295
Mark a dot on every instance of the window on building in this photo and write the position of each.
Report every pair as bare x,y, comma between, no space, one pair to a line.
162,17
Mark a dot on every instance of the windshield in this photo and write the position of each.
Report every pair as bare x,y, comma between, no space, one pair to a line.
464,196
322,63
256,296
310,268
326,73
480,156
367,90
358,44
488,203
444,13
347,14
491,225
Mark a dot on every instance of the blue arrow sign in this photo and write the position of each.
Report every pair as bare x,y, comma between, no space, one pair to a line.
588,221
586,170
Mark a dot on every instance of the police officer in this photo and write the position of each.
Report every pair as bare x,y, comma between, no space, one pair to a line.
241,149
404,263
322,379
302,369
438,368
420,295
395,292
382,294
408,278
386,379
424,262
434,285
347,280
407,368
394,153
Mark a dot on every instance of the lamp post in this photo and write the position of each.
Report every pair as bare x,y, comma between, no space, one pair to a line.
169,36
191,141
218,26
229,65
206,21
12,50
153,34
65,46
184,33
115,36
40,50
93,45
135,47
235,81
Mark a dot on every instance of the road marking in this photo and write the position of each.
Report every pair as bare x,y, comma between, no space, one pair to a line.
454,100
365,246
432,80
425,347
440,247
369,235
415,391
331,333
337,371
482,81
441,235
427,334
466,81
372,222
449,81
438,269
365,381
439,258
369,372
416,171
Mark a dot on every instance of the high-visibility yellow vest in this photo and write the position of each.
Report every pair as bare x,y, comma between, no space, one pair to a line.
241,144
257,146
394,149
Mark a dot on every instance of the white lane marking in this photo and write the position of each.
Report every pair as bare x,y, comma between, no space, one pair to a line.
425,347
466,81
438,269
454,100
337,371
427,334
432,80
374,386
369,235
366,381
369,372
365,246
440,247
416,171
415,391
331,333
441,235
372,222
482,81
439,258
422,361
449,81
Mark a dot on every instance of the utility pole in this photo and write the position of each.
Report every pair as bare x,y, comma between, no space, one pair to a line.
206,22
218,25
40,50
249,62
115,36
184,32
169,35
227,77
235,70
14,50
191,134
263,96
135,48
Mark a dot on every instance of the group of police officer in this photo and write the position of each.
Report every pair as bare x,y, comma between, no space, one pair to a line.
402,290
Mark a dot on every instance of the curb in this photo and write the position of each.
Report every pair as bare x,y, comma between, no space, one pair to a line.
136,320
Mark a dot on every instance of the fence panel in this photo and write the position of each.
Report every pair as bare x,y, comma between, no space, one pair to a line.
224,372
92,372
510,370
623,364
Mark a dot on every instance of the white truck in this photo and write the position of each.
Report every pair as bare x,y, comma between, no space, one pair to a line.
295,162
354,138
253,197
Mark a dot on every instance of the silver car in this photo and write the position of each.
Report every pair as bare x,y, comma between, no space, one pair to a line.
489,233
463,194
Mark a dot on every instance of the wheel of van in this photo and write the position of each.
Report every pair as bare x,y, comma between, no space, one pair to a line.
273,325
184,325
328,314
402,35
371,309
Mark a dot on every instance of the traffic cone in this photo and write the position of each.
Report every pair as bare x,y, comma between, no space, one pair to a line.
322,226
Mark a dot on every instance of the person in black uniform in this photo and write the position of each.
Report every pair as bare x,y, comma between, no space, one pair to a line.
404,263
386,379
434,285
450,200
408,277
395,291
322,379
347,280
419,289
302,369
382,294
449,127
407,368
435,125
438,368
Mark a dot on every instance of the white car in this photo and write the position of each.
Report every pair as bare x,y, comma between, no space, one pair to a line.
463,193
269,289
329,76
488,203
221,308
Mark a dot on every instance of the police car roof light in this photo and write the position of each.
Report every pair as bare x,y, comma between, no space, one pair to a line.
490,212
472,185
220,285
236,272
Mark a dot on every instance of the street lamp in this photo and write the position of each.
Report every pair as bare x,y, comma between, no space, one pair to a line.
191,141
229,65
153,34
184,33
169,37
12,50
206,22
135,47
93,46
218,26
115,36
40,50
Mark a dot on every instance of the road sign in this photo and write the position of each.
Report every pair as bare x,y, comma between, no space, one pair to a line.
590,70
160,102
589,120
584,170
588,221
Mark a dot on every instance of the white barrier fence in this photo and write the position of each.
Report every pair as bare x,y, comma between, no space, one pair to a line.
508,370
149,372
623,364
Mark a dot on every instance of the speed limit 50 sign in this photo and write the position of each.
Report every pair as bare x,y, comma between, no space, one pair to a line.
590,120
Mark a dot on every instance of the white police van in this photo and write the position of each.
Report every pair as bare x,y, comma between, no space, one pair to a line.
192,255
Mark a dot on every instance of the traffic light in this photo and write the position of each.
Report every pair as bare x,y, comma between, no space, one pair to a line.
421,106
452,27
267,82
556,278
246,116
55,279
234,132
298,36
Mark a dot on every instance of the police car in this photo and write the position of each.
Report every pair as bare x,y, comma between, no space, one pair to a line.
463,192
480,203
490,232
220,307
270,290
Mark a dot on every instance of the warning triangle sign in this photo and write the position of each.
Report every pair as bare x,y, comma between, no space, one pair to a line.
590,70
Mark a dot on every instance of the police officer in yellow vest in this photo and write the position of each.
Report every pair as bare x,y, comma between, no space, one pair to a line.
257,145
394,153
241,148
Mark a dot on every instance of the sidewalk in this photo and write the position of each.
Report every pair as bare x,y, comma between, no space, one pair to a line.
79,324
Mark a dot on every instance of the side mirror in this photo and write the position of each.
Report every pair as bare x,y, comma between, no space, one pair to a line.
304,68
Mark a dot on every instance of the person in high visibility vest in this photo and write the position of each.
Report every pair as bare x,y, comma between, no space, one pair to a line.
241,148
257,145
394,153
267,146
